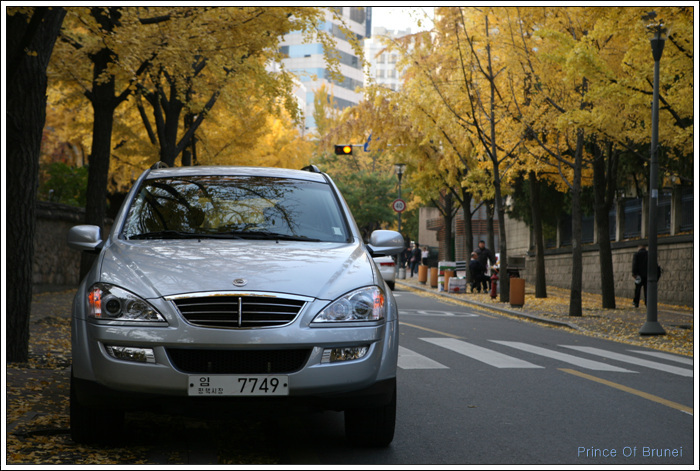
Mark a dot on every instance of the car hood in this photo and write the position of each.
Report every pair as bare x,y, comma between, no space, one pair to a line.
156,268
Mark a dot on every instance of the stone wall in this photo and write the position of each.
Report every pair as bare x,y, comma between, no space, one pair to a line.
56,266
675,256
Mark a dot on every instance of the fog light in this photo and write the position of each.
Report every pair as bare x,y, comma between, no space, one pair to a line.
331,355
142,355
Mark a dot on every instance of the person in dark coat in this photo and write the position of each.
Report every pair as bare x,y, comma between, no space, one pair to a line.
478,274
415,259
639,272
485,256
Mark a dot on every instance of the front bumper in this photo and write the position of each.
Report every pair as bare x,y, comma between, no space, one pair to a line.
100,377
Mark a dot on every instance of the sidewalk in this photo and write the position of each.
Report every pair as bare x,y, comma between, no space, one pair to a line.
621,324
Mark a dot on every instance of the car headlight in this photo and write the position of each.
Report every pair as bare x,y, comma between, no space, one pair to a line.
365,304
109,302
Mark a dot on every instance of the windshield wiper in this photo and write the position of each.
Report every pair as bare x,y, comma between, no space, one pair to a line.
172,234
167,234
266,235
263,235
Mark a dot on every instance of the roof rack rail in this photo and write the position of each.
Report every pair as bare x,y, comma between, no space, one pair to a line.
311,168
159,164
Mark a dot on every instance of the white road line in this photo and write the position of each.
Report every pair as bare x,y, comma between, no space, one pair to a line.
410,360
666,356
634,360
565,357
484,355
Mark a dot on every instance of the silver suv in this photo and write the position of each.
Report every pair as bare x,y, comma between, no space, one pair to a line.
227,284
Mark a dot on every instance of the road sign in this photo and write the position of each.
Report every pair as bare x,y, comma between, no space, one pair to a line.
399,205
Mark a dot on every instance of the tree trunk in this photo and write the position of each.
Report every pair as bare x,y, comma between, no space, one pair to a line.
604,177
575,301
103,105
540,278
490,232
448,217
25,117
468,229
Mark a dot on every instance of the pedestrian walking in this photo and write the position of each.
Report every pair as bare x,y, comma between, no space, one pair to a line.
406,258
639,272
485,256
425,253
415,259
478,275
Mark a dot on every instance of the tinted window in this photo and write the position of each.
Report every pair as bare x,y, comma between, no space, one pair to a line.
248,207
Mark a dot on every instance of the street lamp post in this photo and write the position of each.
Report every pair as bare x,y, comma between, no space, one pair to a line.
658,34
399,169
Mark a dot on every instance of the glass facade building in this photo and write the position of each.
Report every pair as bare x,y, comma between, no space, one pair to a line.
307,62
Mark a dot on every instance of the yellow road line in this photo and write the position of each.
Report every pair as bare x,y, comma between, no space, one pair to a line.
636,392
430,330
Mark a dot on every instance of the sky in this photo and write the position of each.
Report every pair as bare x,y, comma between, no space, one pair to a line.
398,18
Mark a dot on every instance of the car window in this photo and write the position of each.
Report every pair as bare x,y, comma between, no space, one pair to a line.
235,207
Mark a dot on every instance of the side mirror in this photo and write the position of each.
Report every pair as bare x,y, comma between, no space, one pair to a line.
383,243
85,238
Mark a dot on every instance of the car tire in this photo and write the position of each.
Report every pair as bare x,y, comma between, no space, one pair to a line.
391,285
89,425
371,426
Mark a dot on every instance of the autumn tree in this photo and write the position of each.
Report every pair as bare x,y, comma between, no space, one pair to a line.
113,53
31,34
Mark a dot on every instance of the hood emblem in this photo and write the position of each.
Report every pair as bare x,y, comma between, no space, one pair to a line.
240,282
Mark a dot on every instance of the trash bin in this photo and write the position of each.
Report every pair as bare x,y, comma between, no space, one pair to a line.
448,274
517,292
402,273
422,274
433,277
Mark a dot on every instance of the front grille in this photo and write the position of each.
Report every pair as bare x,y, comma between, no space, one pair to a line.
235,311
238,361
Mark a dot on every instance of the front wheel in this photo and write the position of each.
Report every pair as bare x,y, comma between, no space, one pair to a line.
371,426
93,426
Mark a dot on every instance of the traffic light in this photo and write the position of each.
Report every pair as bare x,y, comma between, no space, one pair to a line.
343,149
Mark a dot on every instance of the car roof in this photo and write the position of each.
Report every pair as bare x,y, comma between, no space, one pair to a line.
236,170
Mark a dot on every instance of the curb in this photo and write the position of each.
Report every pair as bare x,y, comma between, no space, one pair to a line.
488,306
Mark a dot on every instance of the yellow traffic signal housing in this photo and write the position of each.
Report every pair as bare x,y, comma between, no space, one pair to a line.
343,149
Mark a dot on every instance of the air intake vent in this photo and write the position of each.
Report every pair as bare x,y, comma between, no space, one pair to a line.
238,361
239,311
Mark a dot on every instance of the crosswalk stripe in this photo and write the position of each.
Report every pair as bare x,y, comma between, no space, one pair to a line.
410,360
630,359
666,356
565,357
484,355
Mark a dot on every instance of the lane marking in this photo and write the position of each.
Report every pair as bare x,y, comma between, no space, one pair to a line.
666,356
410,360
484,355
636,392
422,312
565,357
430,330
630,359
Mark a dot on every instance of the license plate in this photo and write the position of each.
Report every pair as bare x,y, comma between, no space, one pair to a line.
256,385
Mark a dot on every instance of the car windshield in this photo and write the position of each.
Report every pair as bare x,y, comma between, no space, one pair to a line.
237,207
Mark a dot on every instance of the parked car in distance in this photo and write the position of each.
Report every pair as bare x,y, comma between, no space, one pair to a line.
387,267
225,285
